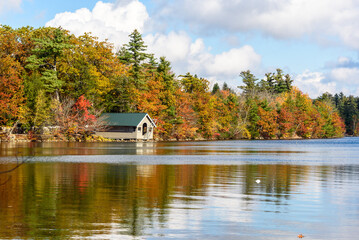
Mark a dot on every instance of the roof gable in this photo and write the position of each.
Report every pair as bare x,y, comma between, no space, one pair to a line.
125,119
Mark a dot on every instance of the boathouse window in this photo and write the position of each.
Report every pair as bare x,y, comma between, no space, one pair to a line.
144,128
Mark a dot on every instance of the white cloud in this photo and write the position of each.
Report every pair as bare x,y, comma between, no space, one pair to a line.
278,18
341,76
343,60
107,20
193,56
9,4
175,46
346,75
345,72
234,61
185,54
314,84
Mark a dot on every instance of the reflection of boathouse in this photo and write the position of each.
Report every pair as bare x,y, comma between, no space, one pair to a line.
128,126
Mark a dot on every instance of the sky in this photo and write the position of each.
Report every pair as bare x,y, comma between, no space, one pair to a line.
316,42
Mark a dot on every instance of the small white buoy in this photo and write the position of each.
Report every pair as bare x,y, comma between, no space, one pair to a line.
258,181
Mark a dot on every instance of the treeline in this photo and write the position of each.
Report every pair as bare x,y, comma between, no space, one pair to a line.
49,77
348,108
275,109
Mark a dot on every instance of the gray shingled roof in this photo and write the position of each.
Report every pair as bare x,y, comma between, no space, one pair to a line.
124,119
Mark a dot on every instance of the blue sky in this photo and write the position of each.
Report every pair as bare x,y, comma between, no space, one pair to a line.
316,42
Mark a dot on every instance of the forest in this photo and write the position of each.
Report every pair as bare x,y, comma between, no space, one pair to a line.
52,82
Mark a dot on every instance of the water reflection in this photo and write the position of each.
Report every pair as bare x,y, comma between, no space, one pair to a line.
315,152
101,200
143,148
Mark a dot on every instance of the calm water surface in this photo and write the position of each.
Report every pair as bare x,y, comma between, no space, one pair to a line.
195,190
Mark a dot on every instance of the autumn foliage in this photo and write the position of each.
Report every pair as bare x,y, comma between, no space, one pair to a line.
11,90
75,119
51,78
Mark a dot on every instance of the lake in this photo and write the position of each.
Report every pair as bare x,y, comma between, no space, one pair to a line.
181,190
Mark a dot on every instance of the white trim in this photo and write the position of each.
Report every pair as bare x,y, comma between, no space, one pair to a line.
153,123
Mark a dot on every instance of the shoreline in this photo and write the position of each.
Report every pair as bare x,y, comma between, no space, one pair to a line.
25,138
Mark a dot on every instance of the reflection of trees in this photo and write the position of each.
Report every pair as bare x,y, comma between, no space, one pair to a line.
276,180
6,171
80,199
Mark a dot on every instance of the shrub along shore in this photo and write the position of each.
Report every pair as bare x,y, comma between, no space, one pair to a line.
51,79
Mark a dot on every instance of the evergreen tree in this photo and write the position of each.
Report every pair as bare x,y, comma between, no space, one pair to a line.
351,114
133,54
49,47
124,55
152,65
225,87
253,118
164,68
326,97
215,88
276,82
249,80
165,72
336,100
288,83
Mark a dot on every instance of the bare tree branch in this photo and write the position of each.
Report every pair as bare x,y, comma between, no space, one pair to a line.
18,164
7,180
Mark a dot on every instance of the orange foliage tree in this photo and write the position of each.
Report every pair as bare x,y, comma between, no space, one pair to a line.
186,128
11,90
267,123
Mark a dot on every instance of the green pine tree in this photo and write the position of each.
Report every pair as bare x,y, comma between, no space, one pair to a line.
49,47
215,88
133,54
249,80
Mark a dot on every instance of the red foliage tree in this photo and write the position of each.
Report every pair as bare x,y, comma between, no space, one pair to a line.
75,119
81,111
